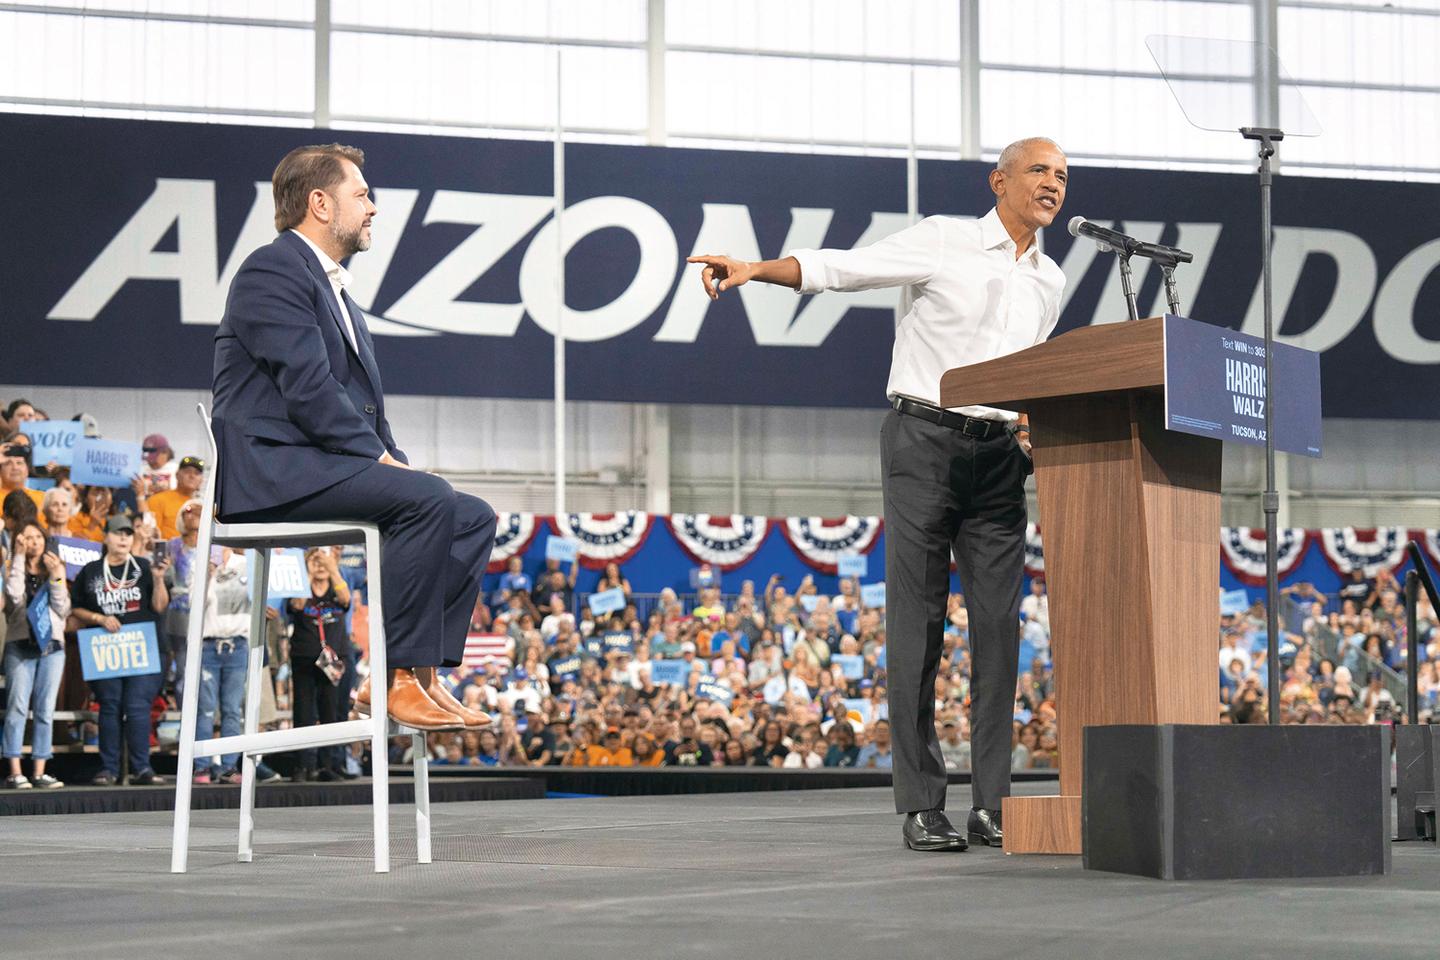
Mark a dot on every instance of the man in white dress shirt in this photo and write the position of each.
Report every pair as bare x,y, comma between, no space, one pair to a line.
953,479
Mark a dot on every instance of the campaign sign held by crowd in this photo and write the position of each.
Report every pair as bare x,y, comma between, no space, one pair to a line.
104,463
852,667
856,566
52,440
1234,602
864,707
774,689
873,594
562,548
618,643
676,672
607,601
710,689
76,552
40,484
564,669
288,577
132,652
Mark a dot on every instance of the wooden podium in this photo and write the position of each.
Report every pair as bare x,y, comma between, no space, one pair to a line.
1131,518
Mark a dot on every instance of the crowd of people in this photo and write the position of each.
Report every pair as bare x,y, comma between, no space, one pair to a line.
770,674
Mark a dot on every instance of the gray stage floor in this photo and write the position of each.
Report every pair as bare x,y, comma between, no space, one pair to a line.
799,874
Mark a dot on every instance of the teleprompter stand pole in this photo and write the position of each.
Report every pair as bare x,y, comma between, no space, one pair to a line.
1270,500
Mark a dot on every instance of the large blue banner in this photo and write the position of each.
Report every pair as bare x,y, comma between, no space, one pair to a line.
460,278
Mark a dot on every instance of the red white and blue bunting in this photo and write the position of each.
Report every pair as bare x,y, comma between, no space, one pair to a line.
1034,551
821,542
1347,548
724,541
1431,541
513,533
604,537
1242,549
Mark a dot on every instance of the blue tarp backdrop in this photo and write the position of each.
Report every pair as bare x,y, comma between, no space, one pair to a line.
128,233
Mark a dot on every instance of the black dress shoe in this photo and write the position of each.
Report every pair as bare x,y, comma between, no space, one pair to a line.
931,830
984,827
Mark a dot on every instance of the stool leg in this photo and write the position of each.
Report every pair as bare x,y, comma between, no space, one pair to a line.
422,797
379,705
256,658
185,771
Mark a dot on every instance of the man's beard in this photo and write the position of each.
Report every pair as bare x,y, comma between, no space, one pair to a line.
349,241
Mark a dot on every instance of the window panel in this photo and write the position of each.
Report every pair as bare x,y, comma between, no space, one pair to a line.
298,10
924,29
616,20
1098,116
1098,34
486,83
1353,47
157,62
1370,127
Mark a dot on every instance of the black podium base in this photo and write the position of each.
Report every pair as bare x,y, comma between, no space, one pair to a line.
1183,802
1417,774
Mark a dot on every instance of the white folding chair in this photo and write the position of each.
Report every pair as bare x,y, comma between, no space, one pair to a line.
262,538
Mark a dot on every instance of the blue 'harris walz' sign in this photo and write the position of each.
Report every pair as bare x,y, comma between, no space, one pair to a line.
1215,387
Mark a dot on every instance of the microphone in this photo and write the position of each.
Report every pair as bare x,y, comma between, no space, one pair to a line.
1127,245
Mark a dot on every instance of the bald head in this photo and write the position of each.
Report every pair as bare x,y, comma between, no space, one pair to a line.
1029,182
1015,154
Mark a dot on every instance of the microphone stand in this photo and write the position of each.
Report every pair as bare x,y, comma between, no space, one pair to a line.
1270,500
1127,284
1167,270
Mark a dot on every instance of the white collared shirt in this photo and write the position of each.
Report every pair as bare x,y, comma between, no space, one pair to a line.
970,299
339,279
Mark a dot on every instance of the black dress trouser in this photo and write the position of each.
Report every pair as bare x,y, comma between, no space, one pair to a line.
436,545
944,492
315,700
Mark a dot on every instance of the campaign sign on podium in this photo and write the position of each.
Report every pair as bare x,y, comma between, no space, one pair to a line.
1215,387
130,652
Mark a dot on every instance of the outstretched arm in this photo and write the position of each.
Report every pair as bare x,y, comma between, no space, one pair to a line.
910,256
722,273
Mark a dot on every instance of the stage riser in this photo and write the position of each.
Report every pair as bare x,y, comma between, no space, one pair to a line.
1201,802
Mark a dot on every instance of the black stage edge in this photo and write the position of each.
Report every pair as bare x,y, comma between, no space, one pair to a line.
1216,802
665,781
215,797
454,784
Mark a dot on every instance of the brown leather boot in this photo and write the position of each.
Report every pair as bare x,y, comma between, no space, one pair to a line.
474,719
409,705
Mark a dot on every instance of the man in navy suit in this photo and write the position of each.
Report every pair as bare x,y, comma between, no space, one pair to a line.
299,420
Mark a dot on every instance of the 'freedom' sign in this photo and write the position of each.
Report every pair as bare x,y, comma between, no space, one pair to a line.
131,652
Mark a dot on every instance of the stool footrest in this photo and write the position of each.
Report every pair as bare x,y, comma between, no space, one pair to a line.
282,741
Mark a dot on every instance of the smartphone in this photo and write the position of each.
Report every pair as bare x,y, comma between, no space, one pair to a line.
217,555
160,551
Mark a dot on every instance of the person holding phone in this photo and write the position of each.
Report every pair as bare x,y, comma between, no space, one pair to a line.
117,590
180,551
319,634
36,605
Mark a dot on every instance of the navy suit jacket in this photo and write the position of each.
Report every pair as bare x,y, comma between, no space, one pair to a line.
297,408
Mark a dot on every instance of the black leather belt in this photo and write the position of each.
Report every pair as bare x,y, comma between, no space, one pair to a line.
969,426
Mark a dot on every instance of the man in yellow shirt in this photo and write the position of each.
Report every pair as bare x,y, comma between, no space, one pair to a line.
166,505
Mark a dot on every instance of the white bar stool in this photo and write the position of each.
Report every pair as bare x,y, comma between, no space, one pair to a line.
262,538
